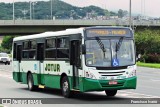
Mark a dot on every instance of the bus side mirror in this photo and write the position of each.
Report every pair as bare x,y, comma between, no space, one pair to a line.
83,49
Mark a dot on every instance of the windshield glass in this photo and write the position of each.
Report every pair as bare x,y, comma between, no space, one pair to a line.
3,55
123,56
95,55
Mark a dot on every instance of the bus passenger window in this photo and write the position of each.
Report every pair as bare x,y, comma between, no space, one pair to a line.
25,54
32,54
33,44
50,51
26,45
63,42
62,53
63,47
51,43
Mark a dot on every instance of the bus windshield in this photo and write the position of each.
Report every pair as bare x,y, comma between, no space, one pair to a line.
124,56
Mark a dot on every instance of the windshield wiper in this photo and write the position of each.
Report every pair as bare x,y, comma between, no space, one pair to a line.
101,45
118,45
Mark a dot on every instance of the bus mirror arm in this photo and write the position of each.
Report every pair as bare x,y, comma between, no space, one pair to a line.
83,49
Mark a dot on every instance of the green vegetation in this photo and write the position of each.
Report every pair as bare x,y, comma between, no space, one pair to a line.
148,45
151,65
4,50
61,10
122,13
7,42
6,45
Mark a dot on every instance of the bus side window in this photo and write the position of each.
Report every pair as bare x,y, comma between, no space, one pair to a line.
25,50
50,50
63,47
25,54
32,52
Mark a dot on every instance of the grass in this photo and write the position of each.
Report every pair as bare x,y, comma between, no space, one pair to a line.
151,65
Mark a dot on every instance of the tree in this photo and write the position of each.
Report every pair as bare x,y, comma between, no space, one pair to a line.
122,13
148,45
107,13
113,13
125,12
7,42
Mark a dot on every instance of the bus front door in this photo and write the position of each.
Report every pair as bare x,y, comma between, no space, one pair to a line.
75,62
40,58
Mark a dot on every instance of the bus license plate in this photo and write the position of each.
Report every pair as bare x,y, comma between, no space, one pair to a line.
112,82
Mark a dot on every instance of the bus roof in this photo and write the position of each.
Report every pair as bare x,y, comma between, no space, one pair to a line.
60,33
48,34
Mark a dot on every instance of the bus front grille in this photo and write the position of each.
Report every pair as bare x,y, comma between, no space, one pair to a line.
114,73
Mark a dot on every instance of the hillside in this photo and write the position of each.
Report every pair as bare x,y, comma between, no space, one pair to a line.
41,10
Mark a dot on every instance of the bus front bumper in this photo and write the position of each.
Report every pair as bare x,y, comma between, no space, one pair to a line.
100,85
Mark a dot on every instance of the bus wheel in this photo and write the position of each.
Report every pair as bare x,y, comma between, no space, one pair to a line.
30,82
111,92
65,87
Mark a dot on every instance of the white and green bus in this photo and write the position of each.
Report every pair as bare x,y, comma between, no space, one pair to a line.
82,59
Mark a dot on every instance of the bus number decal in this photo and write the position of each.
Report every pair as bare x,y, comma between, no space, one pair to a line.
52,67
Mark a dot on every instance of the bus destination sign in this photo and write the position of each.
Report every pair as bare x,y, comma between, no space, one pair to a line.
108,32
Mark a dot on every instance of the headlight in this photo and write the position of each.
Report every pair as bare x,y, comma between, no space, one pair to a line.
90,75
132,73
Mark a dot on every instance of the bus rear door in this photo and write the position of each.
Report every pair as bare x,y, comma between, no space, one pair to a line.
17,51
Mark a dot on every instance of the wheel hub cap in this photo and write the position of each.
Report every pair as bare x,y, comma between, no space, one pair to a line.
65,86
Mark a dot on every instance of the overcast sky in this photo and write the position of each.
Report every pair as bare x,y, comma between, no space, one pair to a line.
147,7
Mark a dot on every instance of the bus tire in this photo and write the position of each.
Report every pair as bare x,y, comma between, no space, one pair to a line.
30,82
65,87
111,92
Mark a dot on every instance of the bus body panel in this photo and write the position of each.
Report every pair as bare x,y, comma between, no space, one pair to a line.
52,72
33,67
101,85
